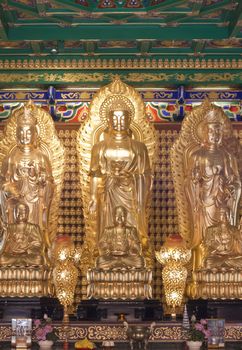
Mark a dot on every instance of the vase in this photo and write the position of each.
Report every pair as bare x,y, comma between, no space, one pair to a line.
45,344
194,345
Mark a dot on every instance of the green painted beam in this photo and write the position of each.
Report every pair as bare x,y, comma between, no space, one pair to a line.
117,32
197,6
90,47
214,7
29,10
161,78
168,4
132,56
144,46
41,7
198,46
61,46
204,10
3,26
71,5
235,24
36,46
24,8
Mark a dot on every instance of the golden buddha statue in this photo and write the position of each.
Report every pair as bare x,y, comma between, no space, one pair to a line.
116,149
223,244
22,242
119,245
30,153
26,175
120,176
207,179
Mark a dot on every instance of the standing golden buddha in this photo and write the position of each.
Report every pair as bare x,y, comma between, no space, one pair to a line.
119,176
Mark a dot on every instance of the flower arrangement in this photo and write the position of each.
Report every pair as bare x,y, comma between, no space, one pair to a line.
198,331
44,329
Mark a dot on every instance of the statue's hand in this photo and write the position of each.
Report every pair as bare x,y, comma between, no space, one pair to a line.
92,209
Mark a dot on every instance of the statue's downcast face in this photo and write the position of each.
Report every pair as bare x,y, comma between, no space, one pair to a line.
120,216
215,133
22,213
26,134
119,120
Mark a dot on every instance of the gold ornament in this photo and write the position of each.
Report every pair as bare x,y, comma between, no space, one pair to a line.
174,255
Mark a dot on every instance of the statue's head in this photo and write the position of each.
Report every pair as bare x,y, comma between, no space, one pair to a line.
26,126
119,118
21,212
117,111
214,126
224,215
120,215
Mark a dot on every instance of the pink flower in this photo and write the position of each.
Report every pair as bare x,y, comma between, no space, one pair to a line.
40,334
203,322
48,328
45,330
207,333
37,323
199,327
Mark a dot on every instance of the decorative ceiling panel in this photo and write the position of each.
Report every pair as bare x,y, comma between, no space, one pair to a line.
121,27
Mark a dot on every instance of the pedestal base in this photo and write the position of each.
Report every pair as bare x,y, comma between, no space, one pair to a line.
25,282
124,284
223,283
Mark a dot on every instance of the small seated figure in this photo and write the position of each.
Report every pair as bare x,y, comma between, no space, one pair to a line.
223,244
119,246
21,242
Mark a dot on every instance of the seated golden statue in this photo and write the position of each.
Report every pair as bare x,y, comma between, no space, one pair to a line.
206,179
118,144
30,152
223,244
26,174
119,246
22,243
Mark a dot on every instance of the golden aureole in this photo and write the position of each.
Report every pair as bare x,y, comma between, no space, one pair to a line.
116,150
31,173
208,188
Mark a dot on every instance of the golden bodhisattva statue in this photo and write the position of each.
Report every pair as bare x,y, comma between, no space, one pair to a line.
119,246
30,153
26,175
207,179
116,187
212,178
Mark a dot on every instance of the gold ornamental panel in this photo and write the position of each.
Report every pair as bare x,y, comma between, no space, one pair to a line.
162,332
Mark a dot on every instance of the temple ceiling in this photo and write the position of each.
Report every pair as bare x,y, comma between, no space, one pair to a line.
157,42
121,28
